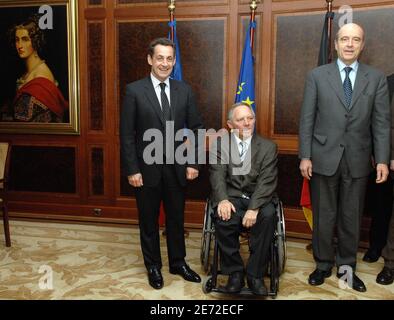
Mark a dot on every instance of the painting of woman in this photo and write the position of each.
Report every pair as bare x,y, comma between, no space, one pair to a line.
38,98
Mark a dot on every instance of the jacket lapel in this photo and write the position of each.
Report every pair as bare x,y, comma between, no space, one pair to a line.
335,81
173,98
152,98
360,84
254,147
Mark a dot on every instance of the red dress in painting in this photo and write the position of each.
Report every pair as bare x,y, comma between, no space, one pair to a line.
39,100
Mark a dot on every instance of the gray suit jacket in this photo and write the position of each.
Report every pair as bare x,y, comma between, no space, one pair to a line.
328,128
259,180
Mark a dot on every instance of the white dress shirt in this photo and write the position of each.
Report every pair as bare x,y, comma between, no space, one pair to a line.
156,85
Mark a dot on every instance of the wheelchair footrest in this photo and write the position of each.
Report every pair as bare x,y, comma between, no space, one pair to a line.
245,291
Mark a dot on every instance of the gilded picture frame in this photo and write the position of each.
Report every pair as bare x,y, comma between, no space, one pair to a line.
38,49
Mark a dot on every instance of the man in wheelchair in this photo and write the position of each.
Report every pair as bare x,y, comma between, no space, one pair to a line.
243,176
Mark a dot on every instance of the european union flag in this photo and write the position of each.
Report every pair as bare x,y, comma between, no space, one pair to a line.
177,71
245,87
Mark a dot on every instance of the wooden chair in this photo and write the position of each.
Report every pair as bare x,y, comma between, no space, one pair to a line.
5,150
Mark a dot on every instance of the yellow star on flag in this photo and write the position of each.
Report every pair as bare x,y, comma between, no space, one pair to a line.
240,88
248,101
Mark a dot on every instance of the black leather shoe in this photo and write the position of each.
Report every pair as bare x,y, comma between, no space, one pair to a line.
235,282
155,278
371,256
257,286
187,273
316,278
357,283
386,276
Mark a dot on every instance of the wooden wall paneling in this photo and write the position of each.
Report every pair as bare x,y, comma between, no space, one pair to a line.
289,180
43,169
96,171
95,3
40,160
291,63
265,68
203,44
111,107
125,3
96,75
378,24
84,55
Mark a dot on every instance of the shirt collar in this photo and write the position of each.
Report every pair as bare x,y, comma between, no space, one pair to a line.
342,65
156,82
247,141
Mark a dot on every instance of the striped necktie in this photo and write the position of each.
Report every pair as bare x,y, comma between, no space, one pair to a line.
243,149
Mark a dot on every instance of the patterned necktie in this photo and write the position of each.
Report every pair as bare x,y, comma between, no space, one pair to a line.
165,105
243,149
347,87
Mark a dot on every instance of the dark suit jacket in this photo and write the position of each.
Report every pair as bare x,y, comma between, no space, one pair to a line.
327,127
390,81
260,179
141,111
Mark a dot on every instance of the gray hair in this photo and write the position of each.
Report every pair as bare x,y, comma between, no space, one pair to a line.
236,105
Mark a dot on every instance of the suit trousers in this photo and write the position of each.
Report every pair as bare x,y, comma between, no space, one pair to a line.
148,203
380,206
261,236
337,200
388,250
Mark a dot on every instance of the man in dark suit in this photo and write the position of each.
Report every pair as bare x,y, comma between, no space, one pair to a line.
243,175
381,206
345,108
157,104
386,276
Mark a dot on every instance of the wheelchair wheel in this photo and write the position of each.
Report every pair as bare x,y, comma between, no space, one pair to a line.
206,239
207,285
281,240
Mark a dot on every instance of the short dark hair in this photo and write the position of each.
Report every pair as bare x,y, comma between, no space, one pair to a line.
31,25
160,41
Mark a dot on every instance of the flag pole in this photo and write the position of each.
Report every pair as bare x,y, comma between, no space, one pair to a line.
253,7
329,31
171,9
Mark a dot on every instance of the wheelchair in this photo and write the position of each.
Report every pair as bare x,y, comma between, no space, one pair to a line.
276,264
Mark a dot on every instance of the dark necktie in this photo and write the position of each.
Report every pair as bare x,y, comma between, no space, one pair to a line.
347,87
165,105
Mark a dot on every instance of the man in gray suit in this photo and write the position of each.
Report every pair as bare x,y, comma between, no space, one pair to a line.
243,176
345,111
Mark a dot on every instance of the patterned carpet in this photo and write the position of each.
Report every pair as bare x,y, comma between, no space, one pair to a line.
96,262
